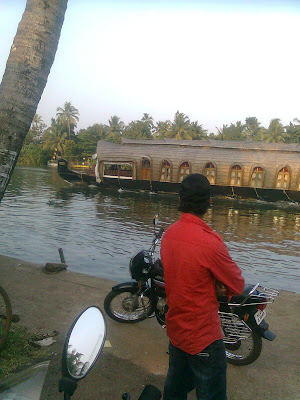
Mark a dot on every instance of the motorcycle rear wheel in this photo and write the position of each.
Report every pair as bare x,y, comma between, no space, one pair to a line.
246,351
123,305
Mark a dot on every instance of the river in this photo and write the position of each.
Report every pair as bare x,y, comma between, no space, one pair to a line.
100,230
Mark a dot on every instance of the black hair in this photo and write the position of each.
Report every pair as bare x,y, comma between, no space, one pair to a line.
195,191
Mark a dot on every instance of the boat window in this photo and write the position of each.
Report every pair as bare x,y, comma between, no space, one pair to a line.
165,173
257,177
283,178
210,173
184,170
119,170
146,169
236,175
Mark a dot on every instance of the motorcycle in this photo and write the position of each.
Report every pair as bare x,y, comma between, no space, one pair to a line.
84,343
242,318
134,301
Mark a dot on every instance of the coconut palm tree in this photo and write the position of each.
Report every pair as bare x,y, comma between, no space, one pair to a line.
275,132
115,128
162,129
137,130
149,121
180,127
222,132
68,115
293,131
196,131
54,140
252,129
297,120
37,127
232,132
31,57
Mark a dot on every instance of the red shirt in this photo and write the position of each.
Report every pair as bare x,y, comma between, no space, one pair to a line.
193,258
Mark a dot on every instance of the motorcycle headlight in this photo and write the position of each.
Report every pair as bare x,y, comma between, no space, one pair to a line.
139,265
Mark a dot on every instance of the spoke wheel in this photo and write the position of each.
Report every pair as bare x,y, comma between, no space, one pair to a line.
244,351
5,316
125,305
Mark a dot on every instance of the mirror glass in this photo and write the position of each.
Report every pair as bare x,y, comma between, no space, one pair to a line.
86,341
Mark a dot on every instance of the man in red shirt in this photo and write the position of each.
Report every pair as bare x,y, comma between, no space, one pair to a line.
196,263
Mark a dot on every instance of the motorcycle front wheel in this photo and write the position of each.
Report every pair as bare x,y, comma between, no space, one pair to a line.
244,351
125,305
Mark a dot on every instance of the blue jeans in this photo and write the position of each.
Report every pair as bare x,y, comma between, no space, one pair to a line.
205,371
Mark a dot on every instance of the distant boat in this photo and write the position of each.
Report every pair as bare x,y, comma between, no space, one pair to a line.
254,170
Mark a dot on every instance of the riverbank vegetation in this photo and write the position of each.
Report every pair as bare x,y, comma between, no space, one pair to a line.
44,143
19,352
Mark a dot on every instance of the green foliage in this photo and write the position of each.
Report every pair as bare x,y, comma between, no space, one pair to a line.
293,132
36,131
275,132
138,130
232,132
42,144
68,115
87,138
196,131
37,127
252,129
180,127
162,129
148,120
18,353
54,139
115,128
71,149
34,154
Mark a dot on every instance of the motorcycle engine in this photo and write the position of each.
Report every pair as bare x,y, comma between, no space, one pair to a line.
161,305
130,303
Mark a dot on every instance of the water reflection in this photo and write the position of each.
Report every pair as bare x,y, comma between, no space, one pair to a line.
100,230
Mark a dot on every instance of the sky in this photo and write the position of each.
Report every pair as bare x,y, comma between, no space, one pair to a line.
217,61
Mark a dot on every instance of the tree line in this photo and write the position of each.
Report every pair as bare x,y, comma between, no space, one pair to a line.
60,138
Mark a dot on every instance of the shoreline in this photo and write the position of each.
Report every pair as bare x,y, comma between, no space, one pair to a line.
48,302
13,261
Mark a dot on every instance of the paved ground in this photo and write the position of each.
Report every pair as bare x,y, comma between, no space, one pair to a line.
138,353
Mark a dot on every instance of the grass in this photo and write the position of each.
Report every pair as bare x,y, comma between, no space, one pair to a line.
18,353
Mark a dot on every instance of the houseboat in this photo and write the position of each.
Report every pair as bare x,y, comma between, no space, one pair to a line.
255,170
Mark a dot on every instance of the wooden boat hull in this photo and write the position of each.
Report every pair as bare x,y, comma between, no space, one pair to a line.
270,195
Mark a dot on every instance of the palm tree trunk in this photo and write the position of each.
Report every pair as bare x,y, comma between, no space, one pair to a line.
27,69
69,129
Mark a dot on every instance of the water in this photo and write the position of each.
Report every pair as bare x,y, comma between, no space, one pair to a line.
100,230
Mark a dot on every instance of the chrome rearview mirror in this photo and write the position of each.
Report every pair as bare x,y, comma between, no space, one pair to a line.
85,342
83,346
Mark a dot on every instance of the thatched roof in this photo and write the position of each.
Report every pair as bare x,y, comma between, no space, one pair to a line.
225,144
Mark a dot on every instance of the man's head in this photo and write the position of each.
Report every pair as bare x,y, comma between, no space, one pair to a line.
194,194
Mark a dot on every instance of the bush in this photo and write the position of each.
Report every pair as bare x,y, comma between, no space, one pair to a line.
34,155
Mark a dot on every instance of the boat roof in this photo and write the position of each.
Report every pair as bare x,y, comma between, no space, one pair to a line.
211,143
